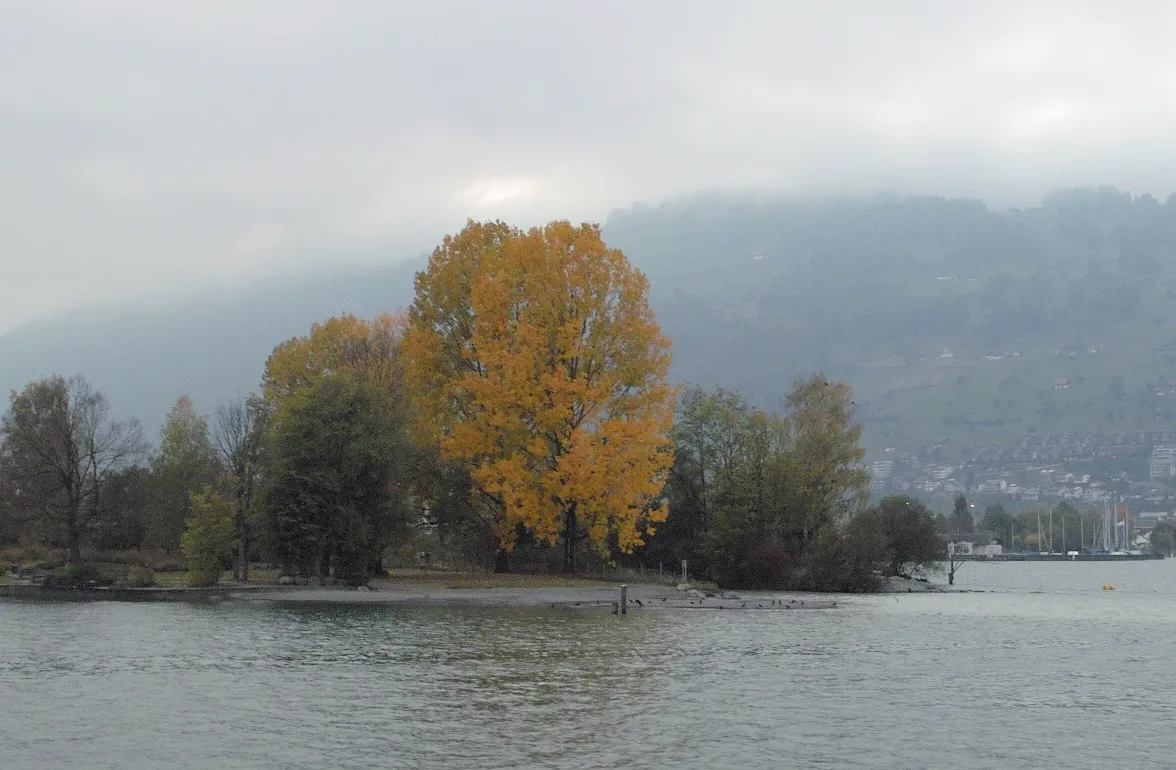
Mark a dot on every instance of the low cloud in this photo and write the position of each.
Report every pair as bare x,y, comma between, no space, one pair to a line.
160,149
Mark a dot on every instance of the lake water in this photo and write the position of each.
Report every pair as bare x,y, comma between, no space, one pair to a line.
1045,670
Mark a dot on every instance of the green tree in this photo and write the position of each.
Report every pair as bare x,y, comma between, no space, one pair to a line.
793,484
825,477
126,502
336,480
185,463
1067,526
997,521
208,536
709,437
847,559
961,516
1163,538
907,528
750,542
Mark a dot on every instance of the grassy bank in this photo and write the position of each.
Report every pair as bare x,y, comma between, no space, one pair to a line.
485,580
433,578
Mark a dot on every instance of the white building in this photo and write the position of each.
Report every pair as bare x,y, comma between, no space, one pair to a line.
988,548
995,548
959,548
1162,463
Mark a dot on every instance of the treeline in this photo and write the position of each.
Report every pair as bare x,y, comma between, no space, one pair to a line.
518,416
765,500
312,474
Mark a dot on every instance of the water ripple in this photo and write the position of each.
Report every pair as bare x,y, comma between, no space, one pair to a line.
980,681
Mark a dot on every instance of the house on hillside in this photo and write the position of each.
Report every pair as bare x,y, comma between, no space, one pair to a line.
1162,463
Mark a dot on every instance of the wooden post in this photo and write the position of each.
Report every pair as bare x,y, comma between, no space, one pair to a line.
684,571
624,599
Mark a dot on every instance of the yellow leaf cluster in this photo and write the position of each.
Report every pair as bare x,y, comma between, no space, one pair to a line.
535,358
343,343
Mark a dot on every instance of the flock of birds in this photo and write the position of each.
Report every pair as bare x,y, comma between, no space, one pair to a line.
743,605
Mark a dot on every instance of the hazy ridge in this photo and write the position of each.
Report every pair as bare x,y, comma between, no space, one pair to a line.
955,323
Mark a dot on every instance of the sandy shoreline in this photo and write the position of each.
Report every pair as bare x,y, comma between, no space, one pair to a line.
641,596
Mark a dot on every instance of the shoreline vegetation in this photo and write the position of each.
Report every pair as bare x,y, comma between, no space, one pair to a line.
518,418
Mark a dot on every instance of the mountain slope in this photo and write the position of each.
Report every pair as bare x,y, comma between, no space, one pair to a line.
957,325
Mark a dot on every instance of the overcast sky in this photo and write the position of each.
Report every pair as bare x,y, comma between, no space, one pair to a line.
152,149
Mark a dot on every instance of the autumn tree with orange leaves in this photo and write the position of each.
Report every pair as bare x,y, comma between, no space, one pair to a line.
535,360
341,343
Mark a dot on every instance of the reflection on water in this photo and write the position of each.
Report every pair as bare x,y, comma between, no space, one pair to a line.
1068,677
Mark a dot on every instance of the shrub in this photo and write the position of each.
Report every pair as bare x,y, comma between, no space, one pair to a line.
136,577
845,560
78,575
208,536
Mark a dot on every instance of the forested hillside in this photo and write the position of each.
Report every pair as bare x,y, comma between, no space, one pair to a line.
956,324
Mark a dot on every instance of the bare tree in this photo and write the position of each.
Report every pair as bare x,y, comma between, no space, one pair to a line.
239,433
61,444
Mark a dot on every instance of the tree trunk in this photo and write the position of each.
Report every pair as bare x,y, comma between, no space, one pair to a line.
75,542
243,552
73,528
325,563
570,539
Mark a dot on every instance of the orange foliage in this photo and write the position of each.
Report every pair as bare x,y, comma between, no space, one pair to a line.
343,343
535,358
